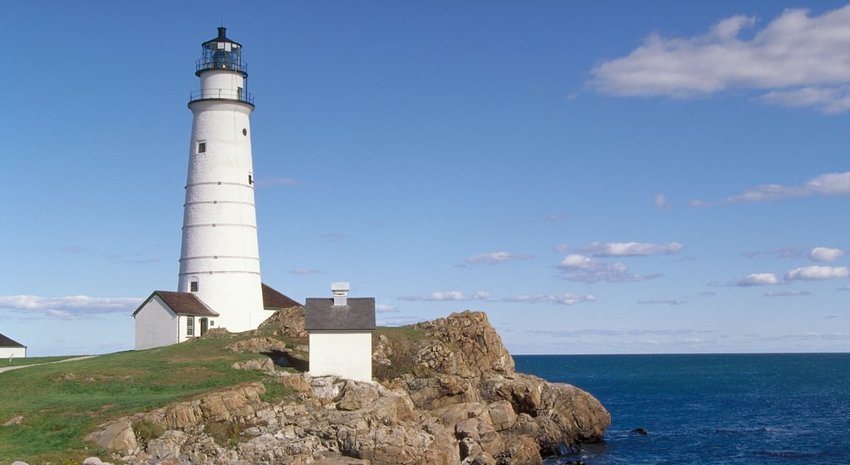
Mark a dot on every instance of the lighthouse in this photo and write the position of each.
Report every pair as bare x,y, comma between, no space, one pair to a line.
219,256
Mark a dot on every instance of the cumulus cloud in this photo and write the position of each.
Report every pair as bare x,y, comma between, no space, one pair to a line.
757,279
825,254
632,249
491,258
70,306
448,296
560,299
794,60
576,267
829,184
817,273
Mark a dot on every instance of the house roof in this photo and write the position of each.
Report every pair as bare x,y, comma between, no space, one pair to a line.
273,299
6,342
181,303
359,314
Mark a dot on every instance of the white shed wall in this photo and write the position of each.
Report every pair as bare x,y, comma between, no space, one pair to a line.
347,354
156,325
15,352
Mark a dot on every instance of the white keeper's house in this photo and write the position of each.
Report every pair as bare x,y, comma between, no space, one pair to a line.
219,283
167,318
340,330
10,348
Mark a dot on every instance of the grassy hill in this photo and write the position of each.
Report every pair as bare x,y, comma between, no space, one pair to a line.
63,402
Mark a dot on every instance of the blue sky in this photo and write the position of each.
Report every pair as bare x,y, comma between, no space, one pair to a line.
600,177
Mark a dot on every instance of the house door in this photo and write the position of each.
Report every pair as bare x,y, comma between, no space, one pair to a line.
204,326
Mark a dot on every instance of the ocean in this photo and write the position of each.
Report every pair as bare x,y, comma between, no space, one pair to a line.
711,409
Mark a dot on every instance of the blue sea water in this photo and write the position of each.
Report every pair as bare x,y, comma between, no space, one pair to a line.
711,409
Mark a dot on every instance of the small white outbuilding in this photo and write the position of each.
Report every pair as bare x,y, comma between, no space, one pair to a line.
11,349
167,318
340,330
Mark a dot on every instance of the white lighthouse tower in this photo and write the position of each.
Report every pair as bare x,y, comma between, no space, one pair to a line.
219,257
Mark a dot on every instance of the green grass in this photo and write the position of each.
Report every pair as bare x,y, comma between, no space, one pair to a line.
63,402
16,362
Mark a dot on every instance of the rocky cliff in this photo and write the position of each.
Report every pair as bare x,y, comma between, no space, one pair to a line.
446,393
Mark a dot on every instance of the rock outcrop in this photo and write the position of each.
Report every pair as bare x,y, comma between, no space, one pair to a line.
446,393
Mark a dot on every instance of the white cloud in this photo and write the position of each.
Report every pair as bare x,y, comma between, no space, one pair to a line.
660,200
492,258
796,59
782,252
786,293
829,184
385,308
560,299
70,306
444,296
817,273
825,254
632,249
757,279
581,268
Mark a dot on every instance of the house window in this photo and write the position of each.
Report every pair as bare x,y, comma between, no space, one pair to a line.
190,326
202,146
193,286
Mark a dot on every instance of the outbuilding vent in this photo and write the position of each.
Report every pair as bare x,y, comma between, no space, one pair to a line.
340,292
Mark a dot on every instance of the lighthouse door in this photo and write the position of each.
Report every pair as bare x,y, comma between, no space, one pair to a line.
204,326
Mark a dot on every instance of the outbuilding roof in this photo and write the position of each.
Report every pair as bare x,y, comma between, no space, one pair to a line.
6,342
181,303
274,300
358,314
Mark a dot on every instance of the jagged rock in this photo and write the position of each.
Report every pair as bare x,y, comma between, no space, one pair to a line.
92,461
258,364
258,345
458,400
117,435
465,345
522,450
288,322
382,351
17,420
18,462
168,445
502,415
357,395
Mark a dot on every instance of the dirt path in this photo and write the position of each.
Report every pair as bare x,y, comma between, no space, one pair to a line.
72,359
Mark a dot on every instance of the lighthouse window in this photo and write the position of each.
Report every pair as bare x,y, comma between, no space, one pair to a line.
202,147
250,179
193,286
